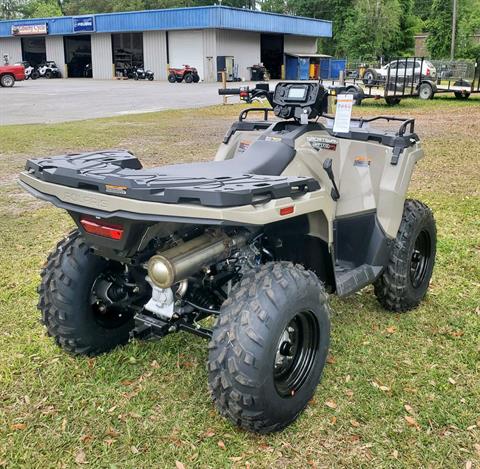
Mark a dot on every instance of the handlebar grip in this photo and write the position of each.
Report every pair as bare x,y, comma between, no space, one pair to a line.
223,91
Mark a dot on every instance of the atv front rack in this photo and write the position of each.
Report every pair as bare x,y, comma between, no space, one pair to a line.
119,173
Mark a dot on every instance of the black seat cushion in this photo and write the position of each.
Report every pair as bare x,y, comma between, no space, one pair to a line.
263,157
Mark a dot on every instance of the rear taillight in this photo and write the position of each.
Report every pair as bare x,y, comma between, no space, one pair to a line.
100,228
428,72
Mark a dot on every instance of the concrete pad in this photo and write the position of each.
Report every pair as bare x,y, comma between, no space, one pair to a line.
61,100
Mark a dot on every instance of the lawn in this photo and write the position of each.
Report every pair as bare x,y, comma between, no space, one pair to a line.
399,390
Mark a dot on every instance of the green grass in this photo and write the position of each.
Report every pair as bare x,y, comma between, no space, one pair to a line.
147,404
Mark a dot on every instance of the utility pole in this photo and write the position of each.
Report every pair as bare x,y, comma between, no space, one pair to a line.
454,29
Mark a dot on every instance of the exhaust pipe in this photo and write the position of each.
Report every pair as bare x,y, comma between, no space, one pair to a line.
180,262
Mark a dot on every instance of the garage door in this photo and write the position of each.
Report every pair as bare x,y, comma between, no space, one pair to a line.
186,47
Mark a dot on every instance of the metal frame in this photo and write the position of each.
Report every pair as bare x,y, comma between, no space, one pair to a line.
395,86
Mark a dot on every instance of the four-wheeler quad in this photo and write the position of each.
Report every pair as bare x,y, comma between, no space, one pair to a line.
49,69
288,212
186,73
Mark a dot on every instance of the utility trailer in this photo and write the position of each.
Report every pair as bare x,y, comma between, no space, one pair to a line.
401,78
461,86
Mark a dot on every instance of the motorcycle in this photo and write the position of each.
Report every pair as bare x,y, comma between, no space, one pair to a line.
30,70
141,74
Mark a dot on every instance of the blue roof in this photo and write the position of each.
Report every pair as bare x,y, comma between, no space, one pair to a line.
185,18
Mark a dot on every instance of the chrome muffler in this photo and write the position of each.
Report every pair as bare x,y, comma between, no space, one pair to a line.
180,262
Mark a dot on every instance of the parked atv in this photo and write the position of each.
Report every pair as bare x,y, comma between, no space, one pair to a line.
49,69
288,212
141,74
30,70
186,73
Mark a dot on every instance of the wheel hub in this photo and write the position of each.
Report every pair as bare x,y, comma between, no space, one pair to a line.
111,300
420,259
296,353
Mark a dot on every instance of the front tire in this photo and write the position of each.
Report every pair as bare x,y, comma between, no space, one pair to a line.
68,311
7,80
405,281
269,347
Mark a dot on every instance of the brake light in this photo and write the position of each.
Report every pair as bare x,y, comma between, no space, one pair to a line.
287,210
100,228
428,72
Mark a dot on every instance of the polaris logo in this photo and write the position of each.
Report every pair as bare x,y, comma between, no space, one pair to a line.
83,24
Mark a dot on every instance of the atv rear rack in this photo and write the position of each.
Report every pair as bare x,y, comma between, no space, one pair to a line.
119,173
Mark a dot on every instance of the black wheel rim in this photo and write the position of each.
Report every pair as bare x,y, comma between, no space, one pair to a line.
296,353
420,259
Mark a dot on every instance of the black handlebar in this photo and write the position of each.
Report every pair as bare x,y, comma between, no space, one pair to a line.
223,91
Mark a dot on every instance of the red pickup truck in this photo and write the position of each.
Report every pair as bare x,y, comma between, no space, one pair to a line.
9,74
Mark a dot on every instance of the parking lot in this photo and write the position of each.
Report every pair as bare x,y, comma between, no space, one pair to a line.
50,101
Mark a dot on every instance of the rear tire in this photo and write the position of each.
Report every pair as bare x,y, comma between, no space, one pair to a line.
461,96
172,78
269,347
405,281
196,78
65,301
425,91
189,78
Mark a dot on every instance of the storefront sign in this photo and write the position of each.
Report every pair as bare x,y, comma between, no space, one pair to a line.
84,24
29,29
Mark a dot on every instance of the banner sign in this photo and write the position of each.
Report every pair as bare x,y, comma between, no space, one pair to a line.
29,29
84,24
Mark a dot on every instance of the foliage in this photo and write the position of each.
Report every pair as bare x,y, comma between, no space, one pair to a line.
42,9
371,29
10,9
440,29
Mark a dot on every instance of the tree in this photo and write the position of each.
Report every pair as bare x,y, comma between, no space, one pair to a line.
11,9
440,29
409,24
468,25
41,9
371,29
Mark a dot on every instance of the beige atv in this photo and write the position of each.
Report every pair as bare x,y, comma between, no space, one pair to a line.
288,212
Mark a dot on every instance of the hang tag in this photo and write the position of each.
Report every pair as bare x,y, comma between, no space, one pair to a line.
343,115
304,119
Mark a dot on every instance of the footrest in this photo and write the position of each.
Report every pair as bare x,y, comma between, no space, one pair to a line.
350,281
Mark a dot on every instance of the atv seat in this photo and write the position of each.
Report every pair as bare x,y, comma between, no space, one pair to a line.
254,177
263,157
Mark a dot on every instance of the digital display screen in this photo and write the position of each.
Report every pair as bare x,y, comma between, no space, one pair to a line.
297,93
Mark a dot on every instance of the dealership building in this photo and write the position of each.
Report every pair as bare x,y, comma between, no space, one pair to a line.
209,38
